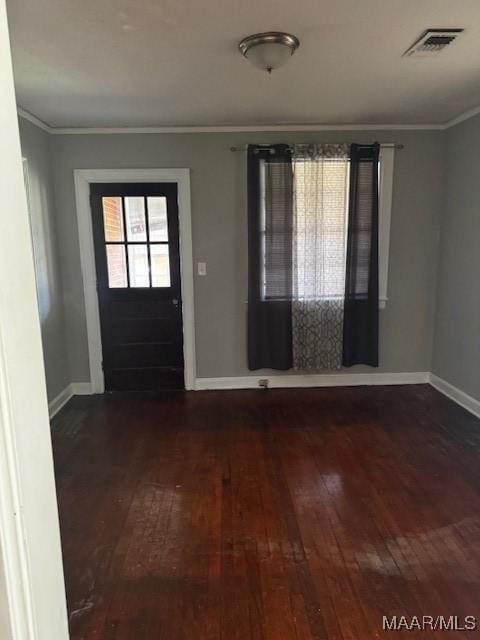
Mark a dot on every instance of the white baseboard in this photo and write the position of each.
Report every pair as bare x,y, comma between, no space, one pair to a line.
73,389
60,401
301,381
455,394
313,380
81,388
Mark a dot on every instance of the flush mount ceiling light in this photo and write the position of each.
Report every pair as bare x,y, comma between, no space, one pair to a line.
270,50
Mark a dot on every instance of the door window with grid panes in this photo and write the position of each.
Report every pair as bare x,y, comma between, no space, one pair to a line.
136,241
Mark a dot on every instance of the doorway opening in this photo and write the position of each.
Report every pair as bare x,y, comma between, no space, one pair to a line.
137,257
180,179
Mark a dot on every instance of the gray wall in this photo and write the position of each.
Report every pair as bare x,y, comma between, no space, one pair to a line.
436,186
456,356
220,237
36,149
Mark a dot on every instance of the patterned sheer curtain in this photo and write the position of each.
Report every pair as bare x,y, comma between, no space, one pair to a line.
320,221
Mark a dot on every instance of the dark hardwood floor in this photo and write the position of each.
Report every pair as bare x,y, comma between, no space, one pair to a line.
269,515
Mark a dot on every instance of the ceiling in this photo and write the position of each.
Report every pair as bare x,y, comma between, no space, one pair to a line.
175,62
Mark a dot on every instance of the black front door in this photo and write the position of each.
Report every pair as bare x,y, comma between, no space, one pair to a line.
135,229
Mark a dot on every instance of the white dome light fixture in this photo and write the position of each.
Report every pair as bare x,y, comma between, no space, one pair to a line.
270,50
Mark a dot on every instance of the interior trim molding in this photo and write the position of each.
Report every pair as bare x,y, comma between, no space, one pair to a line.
471,113
83,178
27,115
457,395
301,381
313,380
33,605
72,389
245,128
81,388
224,128
59,401
20,605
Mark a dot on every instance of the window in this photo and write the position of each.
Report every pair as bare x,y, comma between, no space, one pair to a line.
136,241
275,229
320,186
326,180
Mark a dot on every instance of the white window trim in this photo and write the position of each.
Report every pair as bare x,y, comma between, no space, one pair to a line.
83,179
385,192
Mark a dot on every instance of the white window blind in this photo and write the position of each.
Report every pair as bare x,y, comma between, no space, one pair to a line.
321,185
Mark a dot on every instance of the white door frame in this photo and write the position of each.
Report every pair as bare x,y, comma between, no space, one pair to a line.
32,590
83,179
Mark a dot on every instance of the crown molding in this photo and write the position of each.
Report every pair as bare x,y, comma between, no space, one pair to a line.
26,115
224,128
471,113
245,128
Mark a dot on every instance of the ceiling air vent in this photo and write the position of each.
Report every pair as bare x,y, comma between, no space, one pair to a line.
431,42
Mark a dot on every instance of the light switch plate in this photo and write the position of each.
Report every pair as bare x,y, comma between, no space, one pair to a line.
202,268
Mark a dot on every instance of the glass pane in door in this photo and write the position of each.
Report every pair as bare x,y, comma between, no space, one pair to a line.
138,265
160,265
135,219
157,218
112,219
116,265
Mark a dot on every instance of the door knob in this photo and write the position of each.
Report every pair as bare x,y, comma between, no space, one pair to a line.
175,302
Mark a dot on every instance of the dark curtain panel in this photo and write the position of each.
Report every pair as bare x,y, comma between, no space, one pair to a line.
360,325
270,223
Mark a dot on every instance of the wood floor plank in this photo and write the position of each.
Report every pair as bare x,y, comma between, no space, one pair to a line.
303,514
